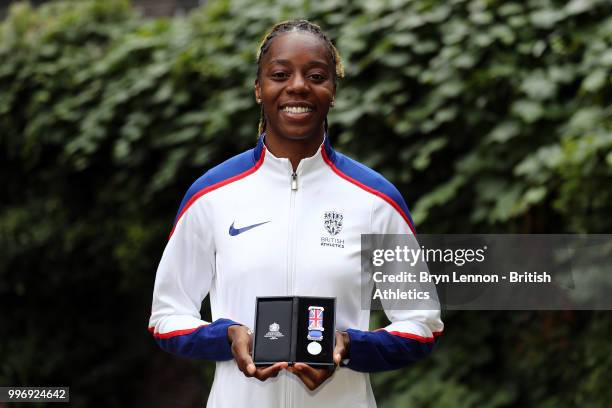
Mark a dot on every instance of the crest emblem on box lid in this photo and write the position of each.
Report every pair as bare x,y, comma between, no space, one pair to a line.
274,332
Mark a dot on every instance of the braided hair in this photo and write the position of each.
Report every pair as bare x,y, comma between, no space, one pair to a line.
297,26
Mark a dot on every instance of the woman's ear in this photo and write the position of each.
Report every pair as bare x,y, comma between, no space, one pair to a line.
257,92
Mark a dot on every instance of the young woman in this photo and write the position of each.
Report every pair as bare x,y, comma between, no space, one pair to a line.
255,226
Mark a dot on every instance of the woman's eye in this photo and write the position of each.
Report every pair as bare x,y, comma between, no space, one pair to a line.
318,77
279,75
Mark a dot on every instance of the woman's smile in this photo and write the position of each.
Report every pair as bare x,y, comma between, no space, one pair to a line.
298,112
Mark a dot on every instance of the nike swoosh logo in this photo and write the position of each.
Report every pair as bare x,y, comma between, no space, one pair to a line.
235,231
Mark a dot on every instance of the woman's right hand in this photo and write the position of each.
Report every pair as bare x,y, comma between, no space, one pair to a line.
241,341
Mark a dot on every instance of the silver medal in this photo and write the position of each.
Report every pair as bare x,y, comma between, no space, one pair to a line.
314,348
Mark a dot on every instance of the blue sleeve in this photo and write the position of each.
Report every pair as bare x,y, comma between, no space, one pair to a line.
207,342
381,351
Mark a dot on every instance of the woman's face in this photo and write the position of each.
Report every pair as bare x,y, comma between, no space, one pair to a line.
296,86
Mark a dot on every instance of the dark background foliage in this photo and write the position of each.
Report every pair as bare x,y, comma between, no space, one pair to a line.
490,116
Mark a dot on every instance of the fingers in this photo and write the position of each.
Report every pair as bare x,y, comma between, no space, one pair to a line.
341,349
240,346
263,374
248,368
338,353
311,377
240,350
241,343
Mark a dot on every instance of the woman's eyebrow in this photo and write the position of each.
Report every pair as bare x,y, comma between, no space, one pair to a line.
317,63
280,62
308,64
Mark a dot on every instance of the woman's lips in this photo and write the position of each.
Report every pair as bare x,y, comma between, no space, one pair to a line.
297,114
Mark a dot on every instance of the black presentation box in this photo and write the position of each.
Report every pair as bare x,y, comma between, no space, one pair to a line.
282,331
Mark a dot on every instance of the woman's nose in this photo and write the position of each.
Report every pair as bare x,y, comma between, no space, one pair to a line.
297,84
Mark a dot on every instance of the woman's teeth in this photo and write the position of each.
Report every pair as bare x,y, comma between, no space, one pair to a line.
296,109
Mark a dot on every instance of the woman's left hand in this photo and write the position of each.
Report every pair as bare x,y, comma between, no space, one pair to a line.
314,377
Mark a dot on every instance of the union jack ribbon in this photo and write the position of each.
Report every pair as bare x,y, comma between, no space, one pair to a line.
315,318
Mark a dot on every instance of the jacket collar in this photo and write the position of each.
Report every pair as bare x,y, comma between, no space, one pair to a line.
281,164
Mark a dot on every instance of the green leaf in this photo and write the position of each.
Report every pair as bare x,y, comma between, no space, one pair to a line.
546,18
422,160
528,110
439,196
609,159
538,86
595,80
504,132
584,119
579,6
534,195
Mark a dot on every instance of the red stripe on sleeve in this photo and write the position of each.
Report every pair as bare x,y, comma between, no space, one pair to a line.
173,333
416,337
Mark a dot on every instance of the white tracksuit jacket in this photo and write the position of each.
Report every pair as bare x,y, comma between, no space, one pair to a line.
251,227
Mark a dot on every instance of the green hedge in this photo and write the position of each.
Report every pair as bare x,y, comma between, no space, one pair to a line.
491,116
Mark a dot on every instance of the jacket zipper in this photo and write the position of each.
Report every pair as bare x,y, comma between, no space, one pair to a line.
291,235
291,266
293,182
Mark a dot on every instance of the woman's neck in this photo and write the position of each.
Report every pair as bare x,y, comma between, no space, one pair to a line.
293,149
